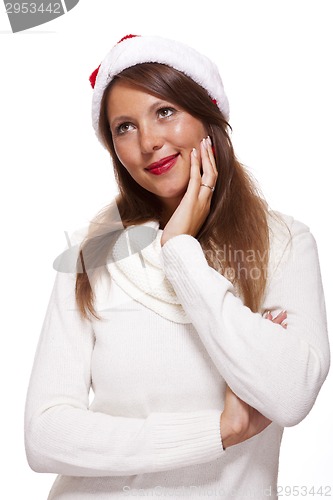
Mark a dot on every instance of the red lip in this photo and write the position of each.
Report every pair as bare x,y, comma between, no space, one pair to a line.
165,162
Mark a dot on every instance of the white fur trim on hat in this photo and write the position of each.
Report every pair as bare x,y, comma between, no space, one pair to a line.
142,49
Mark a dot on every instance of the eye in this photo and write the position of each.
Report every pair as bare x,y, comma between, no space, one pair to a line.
165,112
123,128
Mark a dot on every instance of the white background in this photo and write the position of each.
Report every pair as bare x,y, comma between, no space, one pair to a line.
275,59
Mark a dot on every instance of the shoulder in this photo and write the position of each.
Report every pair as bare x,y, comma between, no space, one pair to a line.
285,229
282,226
287,235
104,222
66,262
77,236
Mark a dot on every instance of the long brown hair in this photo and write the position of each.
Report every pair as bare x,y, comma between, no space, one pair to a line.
234,236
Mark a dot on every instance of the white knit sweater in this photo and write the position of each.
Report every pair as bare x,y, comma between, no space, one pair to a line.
173,334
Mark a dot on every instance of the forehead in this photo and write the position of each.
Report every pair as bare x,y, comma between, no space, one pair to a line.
125,97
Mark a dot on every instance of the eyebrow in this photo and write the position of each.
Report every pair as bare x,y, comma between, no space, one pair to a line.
124,118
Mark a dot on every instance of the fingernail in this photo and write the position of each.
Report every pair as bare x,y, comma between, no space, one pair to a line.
204,143
209,140
194,151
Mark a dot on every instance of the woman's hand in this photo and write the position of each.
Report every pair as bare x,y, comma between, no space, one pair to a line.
279,319
194,207
239,421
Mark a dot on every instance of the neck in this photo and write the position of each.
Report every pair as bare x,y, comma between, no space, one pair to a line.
168,209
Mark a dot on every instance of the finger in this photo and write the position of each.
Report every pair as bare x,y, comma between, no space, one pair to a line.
268,315
211,153
193,188
209,171
207,155
280,317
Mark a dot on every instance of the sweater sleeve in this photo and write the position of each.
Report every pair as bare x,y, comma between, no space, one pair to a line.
62,435
279,372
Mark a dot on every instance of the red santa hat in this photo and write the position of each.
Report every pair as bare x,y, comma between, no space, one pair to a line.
134,49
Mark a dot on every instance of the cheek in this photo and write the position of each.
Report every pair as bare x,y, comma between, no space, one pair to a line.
182,135
121,152
188,134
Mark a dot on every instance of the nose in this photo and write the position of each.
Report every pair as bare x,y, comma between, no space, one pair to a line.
150,139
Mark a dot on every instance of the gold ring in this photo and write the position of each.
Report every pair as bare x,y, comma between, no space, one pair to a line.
210,187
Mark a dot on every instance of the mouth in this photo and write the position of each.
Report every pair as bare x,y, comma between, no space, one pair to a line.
163,165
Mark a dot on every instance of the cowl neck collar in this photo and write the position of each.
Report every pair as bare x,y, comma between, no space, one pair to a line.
136,265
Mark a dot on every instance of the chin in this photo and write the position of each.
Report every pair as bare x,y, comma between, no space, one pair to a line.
172,193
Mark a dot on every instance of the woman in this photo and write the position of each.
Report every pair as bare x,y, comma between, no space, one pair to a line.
176,316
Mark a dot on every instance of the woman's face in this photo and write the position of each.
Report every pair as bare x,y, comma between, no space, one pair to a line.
153,139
